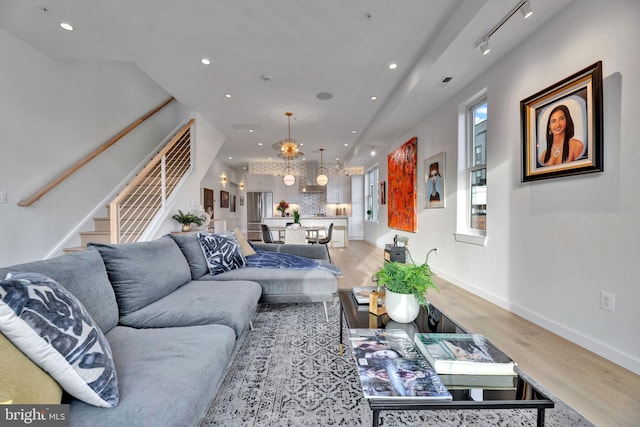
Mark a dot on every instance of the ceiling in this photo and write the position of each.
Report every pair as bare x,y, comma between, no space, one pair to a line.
274,56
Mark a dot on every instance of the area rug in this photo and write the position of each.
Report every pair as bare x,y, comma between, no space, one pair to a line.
288,372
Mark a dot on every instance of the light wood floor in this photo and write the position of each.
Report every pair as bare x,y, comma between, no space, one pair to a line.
603,392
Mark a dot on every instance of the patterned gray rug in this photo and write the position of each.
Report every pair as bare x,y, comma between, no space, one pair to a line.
287,372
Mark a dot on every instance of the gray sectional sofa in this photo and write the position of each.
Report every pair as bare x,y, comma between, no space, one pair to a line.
171,326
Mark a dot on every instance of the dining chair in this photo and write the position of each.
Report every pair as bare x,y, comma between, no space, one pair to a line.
296,236
324,240
266,235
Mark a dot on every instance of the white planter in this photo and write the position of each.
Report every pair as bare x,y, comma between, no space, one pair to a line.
403,308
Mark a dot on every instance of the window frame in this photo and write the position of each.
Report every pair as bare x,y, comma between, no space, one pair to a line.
468,165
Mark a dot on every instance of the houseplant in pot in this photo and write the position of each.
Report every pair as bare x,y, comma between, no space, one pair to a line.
186,219
406,289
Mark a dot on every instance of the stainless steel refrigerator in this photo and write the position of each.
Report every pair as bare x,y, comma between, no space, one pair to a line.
259,206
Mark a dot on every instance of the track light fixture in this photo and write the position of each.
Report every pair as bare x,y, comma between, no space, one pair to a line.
525,9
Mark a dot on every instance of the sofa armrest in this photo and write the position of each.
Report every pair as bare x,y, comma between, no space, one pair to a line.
308,251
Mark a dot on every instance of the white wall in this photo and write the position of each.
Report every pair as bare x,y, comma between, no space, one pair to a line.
553,245
52,114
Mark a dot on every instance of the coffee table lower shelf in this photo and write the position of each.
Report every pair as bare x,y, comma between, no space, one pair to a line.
525,395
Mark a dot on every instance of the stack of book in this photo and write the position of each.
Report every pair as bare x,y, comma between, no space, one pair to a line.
360,295
390,368
467,360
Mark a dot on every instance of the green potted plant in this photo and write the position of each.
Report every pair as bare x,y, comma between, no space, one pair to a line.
186,219
406,289
369,214
296,216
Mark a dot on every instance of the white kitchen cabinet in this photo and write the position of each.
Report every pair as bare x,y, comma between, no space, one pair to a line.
339,189
339,237
260,182
281,191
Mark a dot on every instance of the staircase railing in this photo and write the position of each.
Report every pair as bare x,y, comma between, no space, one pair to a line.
66,174
134,208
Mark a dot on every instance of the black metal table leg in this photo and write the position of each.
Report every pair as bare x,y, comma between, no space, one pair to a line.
376,417
540,417
341,320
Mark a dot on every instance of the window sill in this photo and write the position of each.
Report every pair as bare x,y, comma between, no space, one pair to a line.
473,239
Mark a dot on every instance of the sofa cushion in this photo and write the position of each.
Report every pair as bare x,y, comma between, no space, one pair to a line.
84,275
49,325
190,247
143,272
231,303
284,285
222,253
23,382
168,376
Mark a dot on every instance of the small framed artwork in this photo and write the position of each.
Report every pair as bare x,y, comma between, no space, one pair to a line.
383,193
241,200
434,176
224,199
232,208
562,127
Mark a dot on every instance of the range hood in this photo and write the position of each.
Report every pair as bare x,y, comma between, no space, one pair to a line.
308,184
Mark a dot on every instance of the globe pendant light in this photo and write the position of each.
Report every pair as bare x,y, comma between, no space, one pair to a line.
289,177
321,172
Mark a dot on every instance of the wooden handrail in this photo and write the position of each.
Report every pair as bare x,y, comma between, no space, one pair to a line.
44,190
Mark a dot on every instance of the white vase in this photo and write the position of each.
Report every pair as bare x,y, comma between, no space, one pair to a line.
402,308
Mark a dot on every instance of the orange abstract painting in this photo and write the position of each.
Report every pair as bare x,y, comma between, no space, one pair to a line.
402,164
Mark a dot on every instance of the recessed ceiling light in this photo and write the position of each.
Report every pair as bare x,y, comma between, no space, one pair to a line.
205,61
373,152
250,130
346,145
230,158
354,131
226,95
259,143
373,98
393,66
66,26
324,96
337,158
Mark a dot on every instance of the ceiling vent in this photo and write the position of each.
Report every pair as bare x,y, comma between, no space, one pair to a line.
443,82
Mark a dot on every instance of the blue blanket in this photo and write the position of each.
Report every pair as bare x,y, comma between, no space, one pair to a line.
268,259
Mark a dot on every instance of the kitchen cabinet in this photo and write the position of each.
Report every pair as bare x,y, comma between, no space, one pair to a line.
281,191
339,189
260,182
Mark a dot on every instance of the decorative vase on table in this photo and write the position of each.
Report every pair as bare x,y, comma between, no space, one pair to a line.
186,227
402,308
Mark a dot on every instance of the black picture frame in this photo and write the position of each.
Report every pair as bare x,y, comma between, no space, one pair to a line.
224,199
577,98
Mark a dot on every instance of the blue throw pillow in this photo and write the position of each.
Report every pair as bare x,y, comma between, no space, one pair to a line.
51,327
222,253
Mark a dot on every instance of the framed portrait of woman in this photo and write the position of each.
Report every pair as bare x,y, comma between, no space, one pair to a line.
434,168
562,129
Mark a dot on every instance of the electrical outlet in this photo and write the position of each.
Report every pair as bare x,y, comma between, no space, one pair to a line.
607,301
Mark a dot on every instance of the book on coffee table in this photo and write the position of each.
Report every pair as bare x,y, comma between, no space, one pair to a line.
391,368
361,294
469,354
491,382
382,343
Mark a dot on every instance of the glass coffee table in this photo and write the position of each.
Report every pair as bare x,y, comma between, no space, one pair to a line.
523,395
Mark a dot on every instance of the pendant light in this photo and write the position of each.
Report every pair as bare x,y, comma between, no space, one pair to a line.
321,172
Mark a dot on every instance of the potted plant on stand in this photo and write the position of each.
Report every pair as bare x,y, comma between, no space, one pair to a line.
406,289
186,219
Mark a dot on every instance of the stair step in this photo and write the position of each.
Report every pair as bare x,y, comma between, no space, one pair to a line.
74,249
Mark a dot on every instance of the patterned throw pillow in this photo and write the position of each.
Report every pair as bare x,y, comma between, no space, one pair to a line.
51,327
222,253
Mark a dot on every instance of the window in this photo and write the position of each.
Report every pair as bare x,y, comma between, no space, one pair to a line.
472,172
371,195
477,167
